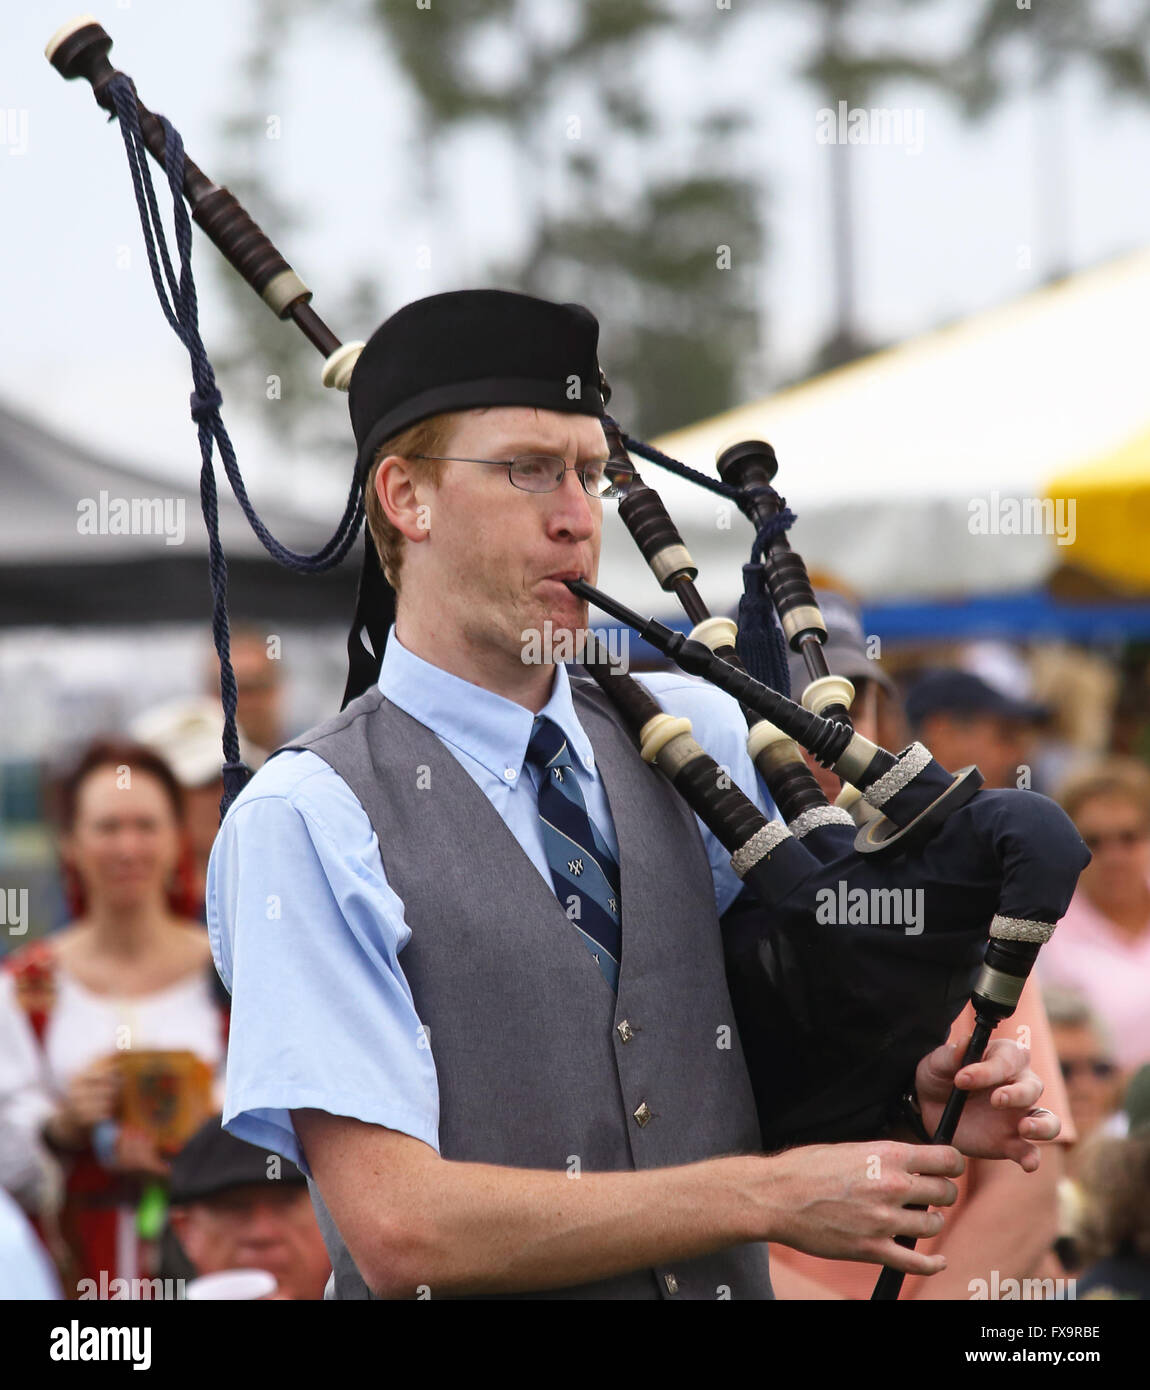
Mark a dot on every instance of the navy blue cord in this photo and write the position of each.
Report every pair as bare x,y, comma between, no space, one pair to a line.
778,525
762,645
183,316
771,529
648,451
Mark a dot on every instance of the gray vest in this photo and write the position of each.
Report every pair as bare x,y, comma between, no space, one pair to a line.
539,1064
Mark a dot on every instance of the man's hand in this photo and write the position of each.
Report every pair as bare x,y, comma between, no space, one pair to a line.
999,1119
849,1201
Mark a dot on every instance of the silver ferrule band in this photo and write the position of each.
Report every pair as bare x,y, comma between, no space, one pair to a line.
911,761
761,842
818,816
1019,929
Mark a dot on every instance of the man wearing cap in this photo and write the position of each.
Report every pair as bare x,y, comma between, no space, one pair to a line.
233,1206
473,940
963,720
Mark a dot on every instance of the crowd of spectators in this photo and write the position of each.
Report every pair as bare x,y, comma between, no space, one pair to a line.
113,1028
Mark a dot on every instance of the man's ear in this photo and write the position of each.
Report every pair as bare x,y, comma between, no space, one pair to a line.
188,1235
402,498
182,1229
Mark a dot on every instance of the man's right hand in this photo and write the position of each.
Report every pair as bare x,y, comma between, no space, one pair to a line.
849,1201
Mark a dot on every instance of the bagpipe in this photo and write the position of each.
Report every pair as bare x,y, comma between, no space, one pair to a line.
833,1014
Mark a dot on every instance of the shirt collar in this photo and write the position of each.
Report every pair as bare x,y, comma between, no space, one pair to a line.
491,729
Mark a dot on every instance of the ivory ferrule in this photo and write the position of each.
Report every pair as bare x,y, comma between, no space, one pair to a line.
851,800
802,618
282,291
338,367
856,757
715,633
826,691
668,741
672,561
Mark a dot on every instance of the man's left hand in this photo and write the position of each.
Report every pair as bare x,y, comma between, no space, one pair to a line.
999,1119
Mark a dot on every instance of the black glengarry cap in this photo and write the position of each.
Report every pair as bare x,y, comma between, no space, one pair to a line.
471,348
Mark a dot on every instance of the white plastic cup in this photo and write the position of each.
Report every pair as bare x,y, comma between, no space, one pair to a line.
232,1285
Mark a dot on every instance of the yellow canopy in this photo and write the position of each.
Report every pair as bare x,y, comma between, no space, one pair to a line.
1112,514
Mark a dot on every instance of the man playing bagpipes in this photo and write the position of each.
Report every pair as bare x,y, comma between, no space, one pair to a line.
473,940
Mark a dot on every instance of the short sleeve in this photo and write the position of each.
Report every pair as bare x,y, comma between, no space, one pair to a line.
306,935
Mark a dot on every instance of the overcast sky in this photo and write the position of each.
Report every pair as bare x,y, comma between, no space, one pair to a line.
84,345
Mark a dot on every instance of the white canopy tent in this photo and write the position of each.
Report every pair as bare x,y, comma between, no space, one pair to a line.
895,462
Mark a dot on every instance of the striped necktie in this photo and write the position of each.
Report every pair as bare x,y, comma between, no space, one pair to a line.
583,869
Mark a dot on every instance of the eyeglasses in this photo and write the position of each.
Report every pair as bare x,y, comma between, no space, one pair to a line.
1126,838
604,479
1098,1067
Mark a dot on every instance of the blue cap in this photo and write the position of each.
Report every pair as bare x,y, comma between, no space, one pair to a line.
962,692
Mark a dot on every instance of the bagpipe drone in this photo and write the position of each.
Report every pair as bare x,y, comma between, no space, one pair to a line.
833,1015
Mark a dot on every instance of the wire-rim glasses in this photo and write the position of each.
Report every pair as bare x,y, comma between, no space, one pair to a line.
604,479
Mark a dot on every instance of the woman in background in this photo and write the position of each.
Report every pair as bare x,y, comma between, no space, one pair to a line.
1102,945
131,972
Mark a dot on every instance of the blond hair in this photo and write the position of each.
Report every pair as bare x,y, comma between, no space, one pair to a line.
1126,777
429,436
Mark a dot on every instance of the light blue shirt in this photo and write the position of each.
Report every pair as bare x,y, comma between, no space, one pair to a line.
307,934
26,1272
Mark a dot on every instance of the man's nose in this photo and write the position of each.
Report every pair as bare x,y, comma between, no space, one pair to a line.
573,512
263,1225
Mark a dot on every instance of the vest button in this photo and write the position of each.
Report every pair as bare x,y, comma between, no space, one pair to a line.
625,1031
643,1114
671,1282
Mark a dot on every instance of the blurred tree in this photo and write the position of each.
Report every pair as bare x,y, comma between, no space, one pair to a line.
265,360
1111,40
849,64
667,260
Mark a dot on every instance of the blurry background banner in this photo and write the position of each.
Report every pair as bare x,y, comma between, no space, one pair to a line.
91,542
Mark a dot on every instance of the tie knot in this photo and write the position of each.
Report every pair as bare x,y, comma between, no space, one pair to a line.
548,746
